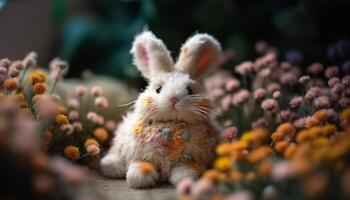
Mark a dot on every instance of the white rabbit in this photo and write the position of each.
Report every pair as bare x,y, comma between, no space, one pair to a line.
170,133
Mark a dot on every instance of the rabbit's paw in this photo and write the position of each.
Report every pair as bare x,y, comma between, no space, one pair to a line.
179,173
113,166
141,175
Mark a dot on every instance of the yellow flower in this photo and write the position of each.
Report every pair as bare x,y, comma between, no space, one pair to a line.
39,88
62,110
37,76
214,176
72,152
101,134
223,164
239,145
223,149
61,119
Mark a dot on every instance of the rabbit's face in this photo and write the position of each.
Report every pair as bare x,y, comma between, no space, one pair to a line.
174,96
173,92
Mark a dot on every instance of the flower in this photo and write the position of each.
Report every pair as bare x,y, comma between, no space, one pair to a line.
72,152
226,102
223,164
315,68
39,88
73,115
295,102
101,102
37,76
61,119
101,134
80,91
229,134
304,80
331,72
30,60
273,87
93,150
73,103
232,84
270,105
90,141
288,79
67,129
240,97
96,91
10,84
259,93
244,68
184,186
321,102
77,126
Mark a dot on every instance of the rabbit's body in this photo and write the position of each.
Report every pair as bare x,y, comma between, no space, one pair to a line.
170,133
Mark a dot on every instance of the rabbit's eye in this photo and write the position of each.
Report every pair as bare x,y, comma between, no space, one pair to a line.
189,91
159,89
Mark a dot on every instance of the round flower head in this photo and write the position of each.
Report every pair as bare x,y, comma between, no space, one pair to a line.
91,141
77,126
101,134
240,97
289,79
13,71
295,102
315,68
62,119
244,68
73,103
72,152
272,87
73,115
286,115
10,84
331,72
261,47
5,62
300,123
232,84
270,105
304,80
321,102
260,123
229,134
55,98
39,88
68,129
264,73
332,81
111,125
286,65
91,116
3,70
344,102
201,187
346,80
96,91
101,102
276,94
259,93
93,150
80,91
338,88
30,60
226,102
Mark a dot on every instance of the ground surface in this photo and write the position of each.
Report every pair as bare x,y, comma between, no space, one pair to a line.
111,189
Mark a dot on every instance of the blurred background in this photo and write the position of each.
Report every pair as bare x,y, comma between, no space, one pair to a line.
97,34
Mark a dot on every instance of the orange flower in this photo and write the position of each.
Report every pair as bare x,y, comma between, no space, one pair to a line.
286,129
236,176
250,176
214,176
223,164
62,110
277,136
48,136
223,149
101,134
61,119
37,76
39,88
345,114
91,141
72,152
290,151
10,84
311,121
321,115
329,129
303,135
281,146
264,168
259,154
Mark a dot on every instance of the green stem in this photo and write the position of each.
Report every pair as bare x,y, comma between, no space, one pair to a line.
55,83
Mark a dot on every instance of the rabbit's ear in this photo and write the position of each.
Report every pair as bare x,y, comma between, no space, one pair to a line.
150,55
198,54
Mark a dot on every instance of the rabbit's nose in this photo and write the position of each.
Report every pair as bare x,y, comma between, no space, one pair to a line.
174,100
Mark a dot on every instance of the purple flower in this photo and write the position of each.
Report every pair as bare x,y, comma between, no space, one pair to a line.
270,105
296,102
321,102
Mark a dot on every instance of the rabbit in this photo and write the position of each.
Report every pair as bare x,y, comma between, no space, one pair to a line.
170,134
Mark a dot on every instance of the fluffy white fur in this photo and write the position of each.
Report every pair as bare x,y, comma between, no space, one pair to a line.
154,62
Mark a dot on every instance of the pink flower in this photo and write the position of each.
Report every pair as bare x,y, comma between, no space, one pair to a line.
286,115
55,98
282,171
331,72
96,91
67,129
93,150
229,134
73,103
338,88
240,97
272,87
73,115
315,68
261,47
77,126
346,80
295,102
244,68
30,60
46,108
332,81
92,116
260,123
276,94
232,84
270,105
321,102
300,123
286,65
226,102
201,187
101,102
344,102
289,79
80,91
259,93
111,125
304,80
264,73
17,65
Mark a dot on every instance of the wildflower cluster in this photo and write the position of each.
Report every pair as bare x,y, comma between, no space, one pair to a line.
65,125
299,144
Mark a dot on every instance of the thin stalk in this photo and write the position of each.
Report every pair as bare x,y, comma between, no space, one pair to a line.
55,83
